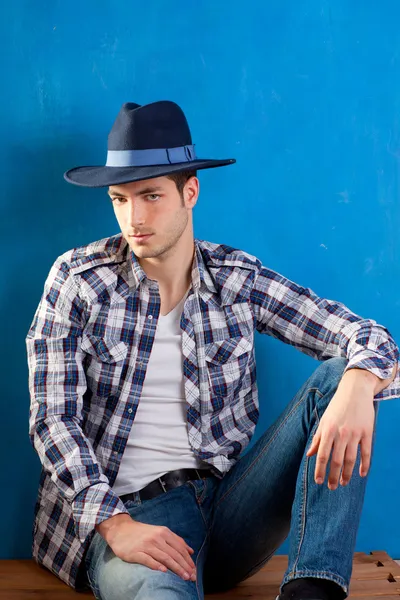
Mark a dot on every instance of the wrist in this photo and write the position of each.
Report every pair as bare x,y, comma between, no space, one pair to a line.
107,527
369,381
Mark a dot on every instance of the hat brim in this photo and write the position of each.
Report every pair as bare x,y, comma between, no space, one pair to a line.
105,176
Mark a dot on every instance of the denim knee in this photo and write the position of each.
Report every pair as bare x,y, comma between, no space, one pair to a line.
325,381
118,579
329,373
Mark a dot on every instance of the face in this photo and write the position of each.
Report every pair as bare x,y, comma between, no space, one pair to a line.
153,208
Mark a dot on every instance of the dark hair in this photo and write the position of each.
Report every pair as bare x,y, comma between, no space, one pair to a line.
181,178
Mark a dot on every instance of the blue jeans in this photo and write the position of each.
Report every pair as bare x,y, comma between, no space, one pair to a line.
236,524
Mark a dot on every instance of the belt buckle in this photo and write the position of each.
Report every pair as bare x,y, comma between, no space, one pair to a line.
162,483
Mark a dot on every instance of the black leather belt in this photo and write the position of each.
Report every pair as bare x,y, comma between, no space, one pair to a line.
167,482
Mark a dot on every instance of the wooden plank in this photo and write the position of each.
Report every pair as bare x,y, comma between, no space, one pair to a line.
361,557
373,572
376,597
25,575
373,588
20,579
63,594
255,593
375,576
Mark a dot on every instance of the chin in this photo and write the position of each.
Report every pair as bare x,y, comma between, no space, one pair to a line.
142,252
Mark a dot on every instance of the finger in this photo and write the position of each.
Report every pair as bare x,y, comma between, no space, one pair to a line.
339,449
314,444
366,445
146,560
324,452
182,558
178,552
350,458
176,565
178,539
179,545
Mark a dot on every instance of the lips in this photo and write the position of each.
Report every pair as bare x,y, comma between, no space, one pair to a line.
141,236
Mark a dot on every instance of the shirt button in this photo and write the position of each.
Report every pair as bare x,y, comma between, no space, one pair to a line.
130,410
116,453
150,317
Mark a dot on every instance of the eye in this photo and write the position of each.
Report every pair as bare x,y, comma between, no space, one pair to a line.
153,197
118,200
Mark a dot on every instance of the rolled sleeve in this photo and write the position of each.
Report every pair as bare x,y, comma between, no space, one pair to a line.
94,505
375,351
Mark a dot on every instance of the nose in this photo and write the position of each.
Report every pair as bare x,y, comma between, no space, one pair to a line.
136,214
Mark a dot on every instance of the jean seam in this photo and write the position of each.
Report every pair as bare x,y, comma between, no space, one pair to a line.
93,587
198,554
207,525
193,486
293,574
199,498
228,491
203,492
304,499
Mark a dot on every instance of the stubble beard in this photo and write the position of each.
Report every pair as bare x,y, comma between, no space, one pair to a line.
173,236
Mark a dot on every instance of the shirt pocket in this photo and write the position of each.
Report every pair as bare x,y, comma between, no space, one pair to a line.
108,350
226,362
104,365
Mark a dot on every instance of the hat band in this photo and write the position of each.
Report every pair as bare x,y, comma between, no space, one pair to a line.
151,157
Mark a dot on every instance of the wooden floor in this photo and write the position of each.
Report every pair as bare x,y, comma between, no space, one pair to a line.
375,576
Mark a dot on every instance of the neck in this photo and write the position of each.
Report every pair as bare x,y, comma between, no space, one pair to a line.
173,269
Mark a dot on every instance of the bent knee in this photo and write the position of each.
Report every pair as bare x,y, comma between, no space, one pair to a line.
132,581
120,579
331,371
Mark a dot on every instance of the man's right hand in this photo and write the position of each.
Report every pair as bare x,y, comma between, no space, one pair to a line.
153,546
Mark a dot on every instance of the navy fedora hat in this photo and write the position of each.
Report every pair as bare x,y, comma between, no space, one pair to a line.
145,142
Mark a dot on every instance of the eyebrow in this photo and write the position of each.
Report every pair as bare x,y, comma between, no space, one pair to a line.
148,190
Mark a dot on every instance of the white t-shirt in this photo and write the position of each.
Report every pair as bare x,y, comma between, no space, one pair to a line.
158,440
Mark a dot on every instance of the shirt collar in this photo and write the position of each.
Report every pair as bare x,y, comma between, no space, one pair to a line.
200,275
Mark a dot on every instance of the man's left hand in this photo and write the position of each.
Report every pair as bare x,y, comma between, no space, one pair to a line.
347,423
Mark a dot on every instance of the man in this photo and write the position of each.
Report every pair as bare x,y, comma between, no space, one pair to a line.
144,398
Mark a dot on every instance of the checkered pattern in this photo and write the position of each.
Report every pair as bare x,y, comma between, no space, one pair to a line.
88,349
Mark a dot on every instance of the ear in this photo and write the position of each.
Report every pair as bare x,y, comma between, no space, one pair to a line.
191,192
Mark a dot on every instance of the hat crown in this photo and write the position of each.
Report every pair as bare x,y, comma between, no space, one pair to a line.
145,141
158,125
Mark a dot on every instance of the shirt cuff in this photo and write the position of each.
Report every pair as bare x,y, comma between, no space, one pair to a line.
382,367
92,506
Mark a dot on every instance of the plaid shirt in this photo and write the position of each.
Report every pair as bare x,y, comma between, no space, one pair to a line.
88,348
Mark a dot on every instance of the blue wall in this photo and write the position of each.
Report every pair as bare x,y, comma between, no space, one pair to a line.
306,96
